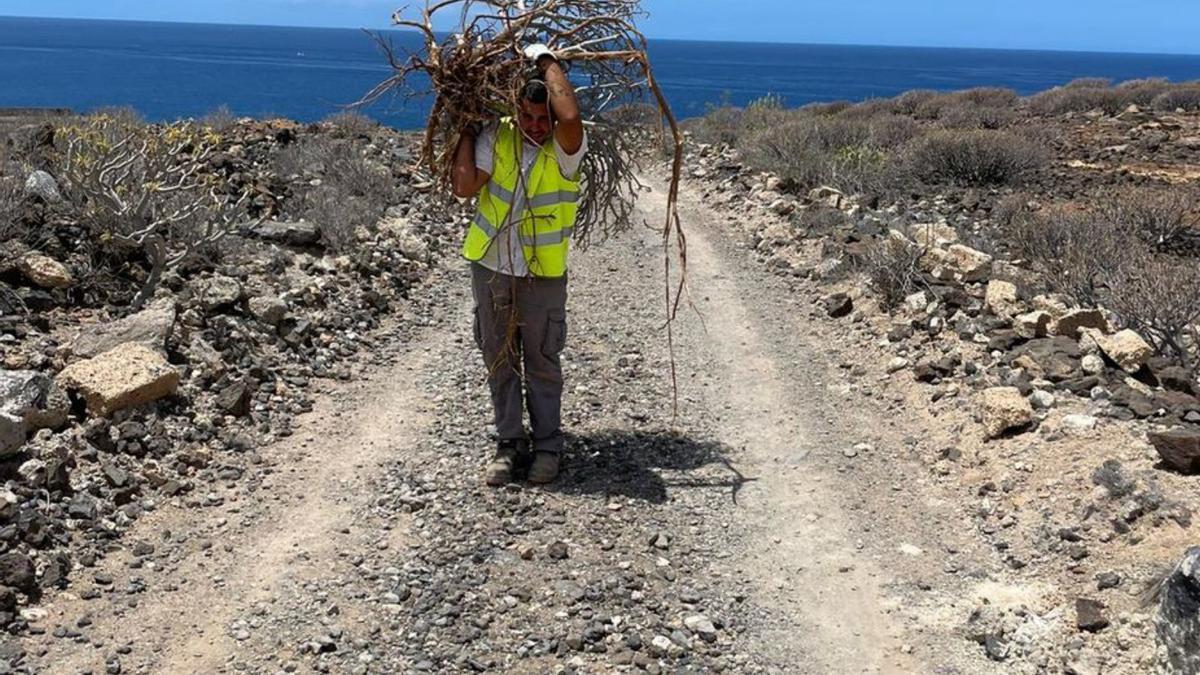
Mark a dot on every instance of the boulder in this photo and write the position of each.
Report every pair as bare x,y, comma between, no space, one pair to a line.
219,292
934,234
1179,448
123,377
150,327
45,271
17,571
1051,305
1068,324
1002,299
1078,423
1033,324
1092,364
43,186
968,264
28,401
269,310
838,305
1057,358
1177,623
288,232
1004,409
1127,349
1089,615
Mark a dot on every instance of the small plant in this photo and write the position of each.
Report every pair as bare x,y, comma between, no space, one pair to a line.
352,124
975,116
1159,217
1156,296
1181,97
893,269
893,131
719,126
1142,92
908,102
219,120
988,97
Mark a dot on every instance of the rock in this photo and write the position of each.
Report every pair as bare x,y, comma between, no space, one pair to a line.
1089,615
219,292
1107,580
1042,400
1127,349
17,571
1002,299
783,207
1031,325
701,626
43,186
288,232
1092,364
558,551
917,302
235,399
897,364
125,376
150,327
969,265
1177,623
1057,358
1003,409
269,310
45,271
29,401
933,234
1068,325
1176,378
838,305
1179,448
1078,423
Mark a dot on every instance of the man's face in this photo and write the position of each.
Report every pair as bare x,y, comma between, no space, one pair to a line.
534,120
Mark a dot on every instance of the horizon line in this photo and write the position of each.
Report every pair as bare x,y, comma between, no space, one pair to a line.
649,38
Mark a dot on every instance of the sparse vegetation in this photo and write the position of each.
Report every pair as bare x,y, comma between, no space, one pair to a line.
219,120
351,124
893,269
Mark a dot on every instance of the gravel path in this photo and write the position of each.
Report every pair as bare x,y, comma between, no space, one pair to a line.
747,535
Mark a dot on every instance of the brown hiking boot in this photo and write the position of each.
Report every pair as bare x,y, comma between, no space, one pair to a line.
545,467
508,455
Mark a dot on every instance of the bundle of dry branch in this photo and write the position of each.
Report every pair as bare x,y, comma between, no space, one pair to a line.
477,73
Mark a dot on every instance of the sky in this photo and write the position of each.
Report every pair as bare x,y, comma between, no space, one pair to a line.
1156,26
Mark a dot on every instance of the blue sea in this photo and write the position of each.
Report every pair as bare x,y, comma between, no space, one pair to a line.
168,71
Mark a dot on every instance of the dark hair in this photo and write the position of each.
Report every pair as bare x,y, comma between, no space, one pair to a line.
535,91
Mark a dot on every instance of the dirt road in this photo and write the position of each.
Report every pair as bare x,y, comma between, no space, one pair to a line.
745,536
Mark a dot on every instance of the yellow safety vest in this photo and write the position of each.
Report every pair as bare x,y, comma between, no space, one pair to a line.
551,203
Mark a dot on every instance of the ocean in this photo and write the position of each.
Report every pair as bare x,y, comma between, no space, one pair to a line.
169,71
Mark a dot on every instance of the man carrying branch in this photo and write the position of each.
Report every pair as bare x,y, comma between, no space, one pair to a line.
525,172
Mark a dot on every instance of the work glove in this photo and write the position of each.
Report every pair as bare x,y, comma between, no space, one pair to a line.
536,52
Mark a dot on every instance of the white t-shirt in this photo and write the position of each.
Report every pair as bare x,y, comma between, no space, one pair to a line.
505,255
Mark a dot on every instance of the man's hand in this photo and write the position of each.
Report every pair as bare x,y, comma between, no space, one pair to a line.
537,52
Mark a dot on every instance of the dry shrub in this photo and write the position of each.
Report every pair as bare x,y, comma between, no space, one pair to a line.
1009,208
868,109
1077,99
893,269
219,120
351,124
821,150
353,192
1142,92
988,97
931,108
893,131
1156,296
975,116
974,158
10,205
1181,97
908,102
720,125
825,109
762,114
1074,250
1088,83
1157,216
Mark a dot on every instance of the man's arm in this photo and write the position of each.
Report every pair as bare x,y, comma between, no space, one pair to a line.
467,178
568,127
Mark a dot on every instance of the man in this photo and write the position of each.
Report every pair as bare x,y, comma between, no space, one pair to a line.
526,174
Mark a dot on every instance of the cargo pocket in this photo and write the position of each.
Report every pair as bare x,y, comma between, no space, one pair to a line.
556,333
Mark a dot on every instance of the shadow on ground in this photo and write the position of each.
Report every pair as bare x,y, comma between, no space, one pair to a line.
645,465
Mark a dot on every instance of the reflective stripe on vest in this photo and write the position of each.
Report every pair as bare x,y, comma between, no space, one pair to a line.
551,204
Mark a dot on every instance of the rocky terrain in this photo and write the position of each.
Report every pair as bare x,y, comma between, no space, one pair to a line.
1067,441
273,465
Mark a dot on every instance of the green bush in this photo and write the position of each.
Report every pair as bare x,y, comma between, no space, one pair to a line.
974,157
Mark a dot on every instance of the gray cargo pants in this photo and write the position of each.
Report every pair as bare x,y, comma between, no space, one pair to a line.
521,328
